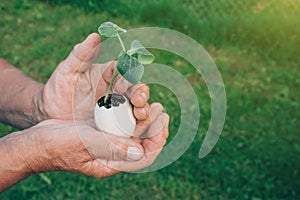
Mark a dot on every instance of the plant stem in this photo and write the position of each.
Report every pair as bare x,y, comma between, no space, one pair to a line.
115,74
121,42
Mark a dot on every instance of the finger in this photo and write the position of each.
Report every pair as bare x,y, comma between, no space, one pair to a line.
138,94
152,148
137,140
111,147
142,125
127,166
83,54
157,126
141,113
119,148
154,144
121,85
98,169
101,75
109,71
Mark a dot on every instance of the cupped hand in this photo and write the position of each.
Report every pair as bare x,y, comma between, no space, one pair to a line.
76,84
77,147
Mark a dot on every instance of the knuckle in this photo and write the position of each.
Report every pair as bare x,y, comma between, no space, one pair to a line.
77,46
140,113
116,155
117,152
158,105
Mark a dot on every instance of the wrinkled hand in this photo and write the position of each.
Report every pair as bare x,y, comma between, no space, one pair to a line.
69,78
83,149
76,84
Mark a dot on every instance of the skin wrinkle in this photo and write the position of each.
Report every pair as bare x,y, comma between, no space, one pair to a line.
108,72
94,86
68,76
142,113
24,86
157,126
95,73
85,62
60,80
17,156
89,91
33,112
34,164
37,103
147,160
142,125
61,161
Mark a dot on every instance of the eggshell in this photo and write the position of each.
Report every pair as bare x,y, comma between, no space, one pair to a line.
117,120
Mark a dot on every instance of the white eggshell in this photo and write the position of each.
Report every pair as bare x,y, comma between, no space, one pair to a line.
117,120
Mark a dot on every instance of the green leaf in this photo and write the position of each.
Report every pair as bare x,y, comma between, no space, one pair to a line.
130,68
110,29
144,56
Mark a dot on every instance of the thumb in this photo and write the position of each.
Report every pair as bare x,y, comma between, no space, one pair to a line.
83,54
110,147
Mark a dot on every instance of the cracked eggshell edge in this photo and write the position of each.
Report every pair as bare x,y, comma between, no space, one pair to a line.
117,120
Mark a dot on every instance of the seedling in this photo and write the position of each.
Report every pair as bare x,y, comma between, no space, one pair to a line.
129,63
113,112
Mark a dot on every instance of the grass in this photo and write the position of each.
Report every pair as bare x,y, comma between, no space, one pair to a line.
257,156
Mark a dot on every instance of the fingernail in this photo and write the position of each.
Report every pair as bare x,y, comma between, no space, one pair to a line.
143,94
134,154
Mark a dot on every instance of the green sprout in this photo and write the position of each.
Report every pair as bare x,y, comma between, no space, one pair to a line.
129,63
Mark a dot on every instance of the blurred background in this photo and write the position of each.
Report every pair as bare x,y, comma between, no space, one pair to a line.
256,46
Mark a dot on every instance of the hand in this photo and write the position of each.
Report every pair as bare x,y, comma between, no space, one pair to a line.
76,84
71,77
70,93
79,148
76,147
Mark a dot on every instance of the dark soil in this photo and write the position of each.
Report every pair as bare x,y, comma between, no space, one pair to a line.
113,100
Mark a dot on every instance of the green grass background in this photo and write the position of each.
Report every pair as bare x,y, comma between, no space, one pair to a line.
256,46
